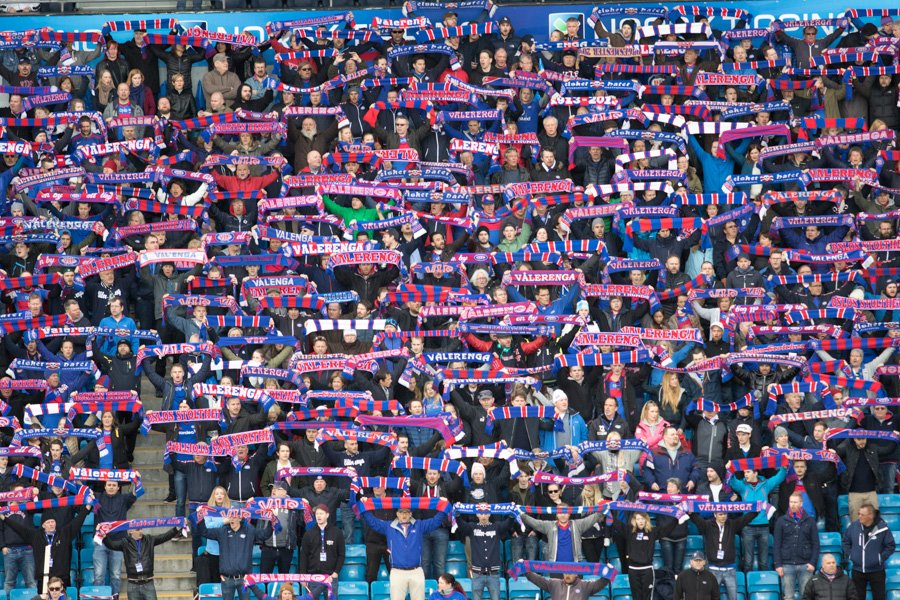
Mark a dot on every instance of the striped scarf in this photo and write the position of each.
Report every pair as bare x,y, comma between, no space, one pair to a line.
438,423
556,568
729,507
119,475
498,451
810,455
443,465
388,440
542,477
165,417
674,512
868,434
759,463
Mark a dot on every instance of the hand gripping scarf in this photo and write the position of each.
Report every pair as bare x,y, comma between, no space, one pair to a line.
542,477
443,465
499,451
560,568
821,455
670,498
627,444
675,335
104,529
757,464
246,438
520,412
166,417
81,494
438,423
247,512
388,440
625,506
729,507
407,502
119,475
279,374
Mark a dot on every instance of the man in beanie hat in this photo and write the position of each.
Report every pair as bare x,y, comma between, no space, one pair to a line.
322,551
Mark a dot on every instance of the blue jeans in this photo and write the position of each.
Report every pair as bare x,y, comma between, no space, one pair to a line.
730,579
434,552
320,592
751,537
348,522
673,554
180,493
491,582
19,559
524,547
230,587
888,478
794,574
109,562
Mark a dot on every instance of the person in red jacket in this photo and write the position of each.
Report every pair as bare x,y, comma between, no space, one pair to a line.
241,181
507,353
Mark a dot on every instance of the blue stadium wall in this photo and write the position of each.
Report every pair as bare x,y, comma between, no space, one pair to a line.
536,19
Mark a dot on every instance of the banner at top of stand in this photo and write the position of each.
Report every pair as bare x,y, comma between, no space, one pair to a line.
527,18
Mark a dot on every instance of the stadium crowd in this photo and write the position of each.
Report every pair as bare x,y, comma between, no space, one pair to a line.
569,300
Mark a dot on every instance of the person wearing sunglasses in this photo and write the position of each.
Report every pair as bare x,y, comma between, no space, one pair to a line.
56,590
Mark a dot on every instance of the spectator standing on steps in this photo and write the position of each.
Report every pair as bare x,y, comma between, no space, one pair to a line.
138,551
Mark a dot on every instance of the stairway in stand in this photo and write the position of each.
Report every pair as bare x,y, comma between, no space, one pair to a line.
172,571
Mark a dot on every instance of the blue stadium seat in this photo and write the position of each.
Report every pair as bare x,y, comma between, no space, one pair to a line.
88,591
892,520
210,590
456,550
621,587
354,590
22,593
457,568
355,554
829,541
893,579
524,589
843,505
353,572
893,562
889,503
765,595
763,581
381,589
893,595
430,587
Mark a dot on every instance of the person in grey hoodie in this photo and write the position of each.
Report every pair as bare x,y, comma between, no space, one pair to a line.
570,586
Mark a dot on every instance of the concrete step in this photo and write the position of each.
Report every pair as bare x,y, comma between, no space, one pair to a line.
171,563
151,509
151,473
125,6
154,491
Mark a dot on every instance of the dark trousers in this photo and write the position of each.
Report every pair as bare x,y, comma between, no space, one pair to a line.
641,582
375,553
270,557
208,568
875,580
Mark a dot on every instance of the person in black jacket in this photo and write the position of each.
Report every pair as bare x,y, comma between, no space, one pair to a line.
17,556
119,368
322,551
51,544
138,551
365,280
640,538
485,539
242,473
718,542
696,583
112,505
830,583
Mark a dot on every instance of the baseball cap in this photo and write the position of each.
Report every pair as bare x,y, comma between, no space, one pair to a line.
504,20
485,394
698,555
281,485
744,428
717,324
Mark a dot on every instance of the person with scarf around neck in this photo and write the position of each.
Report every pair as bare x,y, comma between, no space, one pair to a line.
796,546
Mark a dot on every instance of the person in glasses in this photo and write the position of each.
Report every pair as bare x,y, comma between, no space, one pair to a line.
56,590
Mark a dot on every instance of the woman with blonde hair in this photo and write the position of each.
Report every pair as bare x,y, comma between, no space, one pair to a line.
208,565
592,539
651,426
672,401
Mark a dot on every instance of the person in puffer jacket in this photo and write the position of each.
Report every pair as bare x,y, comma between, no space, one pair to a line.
830,583
868,543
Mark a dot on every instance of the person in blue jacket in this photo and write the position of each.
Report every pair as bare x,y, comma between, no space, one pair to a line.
404,541
753,488
715,170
